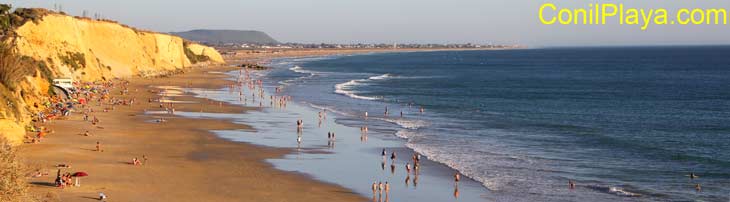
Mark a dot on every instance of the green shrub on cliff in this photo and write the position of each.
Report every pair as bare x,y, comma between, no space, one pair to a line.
10,21
4,18
194,58
74,59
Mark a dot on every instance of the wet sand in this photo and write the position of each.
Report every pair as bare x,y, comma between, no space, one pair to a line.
348,160
186,162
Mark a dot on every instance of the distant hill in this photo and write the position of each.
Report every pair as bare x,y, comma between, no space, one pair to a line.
226,36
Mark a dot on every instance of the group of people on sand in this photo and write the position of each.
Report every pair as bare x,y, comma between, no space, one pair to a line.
63,180
79,100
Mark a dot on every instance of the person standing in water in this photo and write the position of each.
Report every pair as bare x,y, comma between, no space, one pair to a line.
387,188
375,189
381,187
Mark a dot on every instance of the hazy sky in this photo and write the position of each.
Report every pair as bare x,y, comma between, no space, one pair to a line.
402,21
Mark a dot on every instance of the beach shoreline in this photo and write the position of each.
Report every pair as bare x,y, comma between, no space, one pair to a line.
186,161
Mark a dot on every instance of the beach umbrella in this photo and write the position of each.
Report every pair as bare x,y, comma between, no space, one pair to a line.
77,175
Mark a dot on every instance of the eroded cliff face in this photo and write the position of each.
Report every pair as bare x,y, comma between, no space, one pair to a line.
87,50
108,49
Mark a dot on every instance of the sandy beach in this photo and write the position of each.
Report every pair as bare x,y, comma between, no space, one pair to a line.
185,161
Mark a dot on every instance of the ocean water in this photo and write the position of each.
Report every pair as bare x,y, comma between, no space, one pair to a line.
625,123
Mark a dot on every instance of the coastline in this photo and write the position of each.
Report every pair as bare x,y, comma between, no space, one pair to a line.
186,161
348,160
194,150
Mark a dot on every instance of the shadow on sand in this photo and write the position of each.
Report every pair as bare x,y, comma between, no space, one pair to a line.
47,184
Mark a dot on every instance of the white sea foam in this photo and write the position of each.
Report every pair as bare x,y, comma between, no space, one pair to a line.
405,134
299,69
380,77
406,123
346,89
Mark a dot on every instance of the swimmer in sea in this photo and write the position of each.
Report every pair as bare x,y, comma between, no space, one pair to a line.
571,184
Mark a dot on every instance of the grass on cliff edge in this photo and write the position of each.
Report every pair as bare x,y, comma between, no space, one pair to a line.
11,67
13,186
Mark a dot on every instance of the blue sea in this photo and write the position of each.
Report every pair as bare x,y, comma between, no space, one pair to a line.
625,123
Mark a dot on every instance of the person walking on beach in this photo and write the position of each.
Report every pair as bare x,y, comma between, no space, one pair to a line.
392,157
457,177
98,146
384,153
408,168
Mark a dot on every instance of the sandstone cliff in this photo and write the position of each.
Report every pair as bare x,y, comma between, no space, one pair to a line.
87,50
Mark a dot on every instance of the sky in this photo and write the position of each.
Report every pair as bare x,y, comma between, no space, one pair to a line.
398,21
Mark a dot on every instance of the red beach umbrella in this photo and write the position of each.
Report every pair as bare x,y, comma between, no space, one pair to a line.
80,174
77,175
